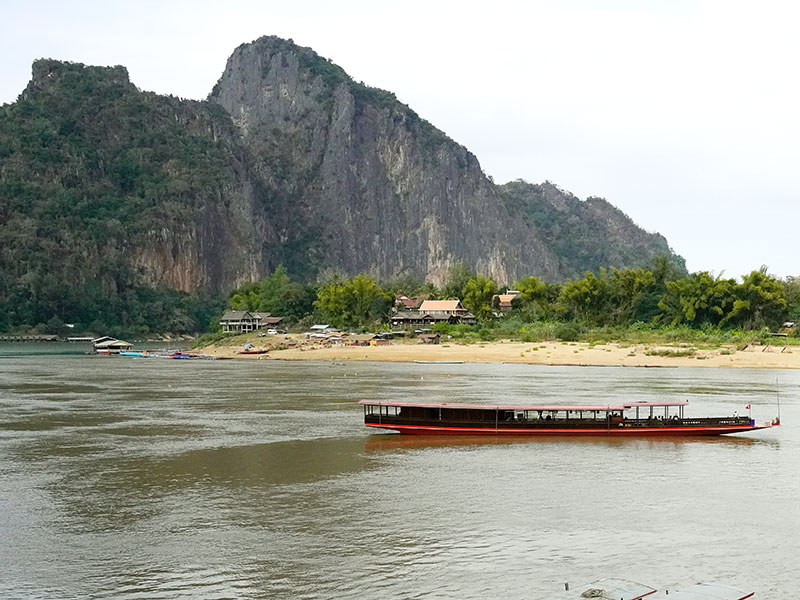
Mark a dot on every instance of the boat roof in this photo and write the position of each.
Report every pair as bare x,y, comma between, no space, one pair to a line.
614,589
113,344
607,589
546,407
704,591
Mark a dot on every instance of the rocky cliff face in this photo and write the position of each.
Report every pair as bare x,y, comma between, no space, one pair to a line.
383,191
104,187
386,192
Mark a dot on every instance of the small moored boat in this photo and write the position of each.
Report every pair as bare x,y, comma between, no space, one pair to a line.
439,362
621,589
629,419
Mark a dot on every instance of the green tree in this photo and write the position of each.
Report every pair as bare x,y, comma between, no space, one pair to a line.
332,301
626,289
791,289
478,292
587,299
698,299
351,303
646,308
56,326
760,301
362,296
272,293
536,297
246,300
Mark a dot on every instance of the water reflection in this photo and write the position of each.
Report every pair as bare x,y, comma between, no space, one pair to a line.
392,442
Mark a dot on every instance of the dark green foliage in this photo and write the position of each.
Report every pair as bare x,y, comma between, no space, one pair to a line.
277,294
568,332
330,73
792,290
90,167
698,300
356,302
578,231
478,292
760,301
698,307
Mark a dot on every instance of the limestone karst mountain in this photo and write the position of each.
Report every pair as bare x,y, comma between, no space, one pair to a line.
107,191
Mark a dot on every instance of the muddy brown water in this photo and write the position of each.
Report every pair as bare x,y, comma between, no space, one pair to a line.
147,478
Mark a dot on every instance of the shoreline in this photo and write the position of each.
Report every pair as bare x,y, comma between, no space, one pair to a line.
581,354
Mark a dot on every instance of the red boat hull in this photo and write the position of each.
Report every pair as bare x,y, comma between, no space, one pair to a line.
621,431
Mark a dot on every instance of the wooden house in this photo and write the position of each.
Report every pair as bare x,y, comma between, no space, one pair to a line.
428,338
434,311
245,321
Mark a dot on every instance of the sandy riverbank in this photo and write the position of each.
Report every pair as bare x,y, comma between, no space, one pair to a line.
547,353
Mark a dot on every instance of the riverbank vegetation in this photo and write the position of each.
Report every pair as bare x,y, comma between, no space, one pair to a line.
653,305
635,306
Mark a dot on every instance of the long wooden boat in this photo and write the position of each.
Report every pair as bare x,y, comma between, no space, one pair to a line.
629,419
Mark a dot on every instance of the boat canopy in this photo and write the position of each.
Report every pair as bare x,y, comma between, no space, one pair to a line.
612,589
607,589
704,591
544,408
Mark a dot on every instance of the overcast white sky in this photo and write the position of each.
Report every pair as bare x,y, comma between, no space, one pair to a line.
684,114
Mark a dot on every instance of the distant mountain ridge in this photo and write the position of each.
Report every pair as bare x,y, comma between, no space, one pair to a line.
105,189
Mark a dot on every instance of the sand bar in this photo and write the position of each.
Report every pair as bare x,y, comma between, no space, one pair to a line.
544,353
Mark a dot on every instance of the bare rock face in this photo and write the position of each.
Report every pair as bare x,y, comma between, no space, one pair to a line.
383,191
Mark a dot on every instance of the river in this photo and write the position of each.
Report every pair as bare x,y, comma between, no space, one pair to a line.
147,478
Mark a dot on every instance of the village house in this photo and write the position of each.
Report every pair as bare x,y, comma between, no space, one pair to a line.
243,321
359,339
403,303
503,302
434,311
428,338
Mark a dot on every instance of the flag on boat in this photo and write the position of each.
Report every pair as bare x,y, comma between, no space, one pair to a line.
747,407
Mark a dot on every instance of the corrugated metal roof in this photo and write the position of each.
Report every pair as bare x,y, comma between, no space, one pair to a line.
234,315
548,407
360,337
667,403
113,344
440,305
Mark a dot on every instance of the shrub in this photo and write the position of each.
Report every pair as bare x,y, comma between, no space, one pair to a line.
568,332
